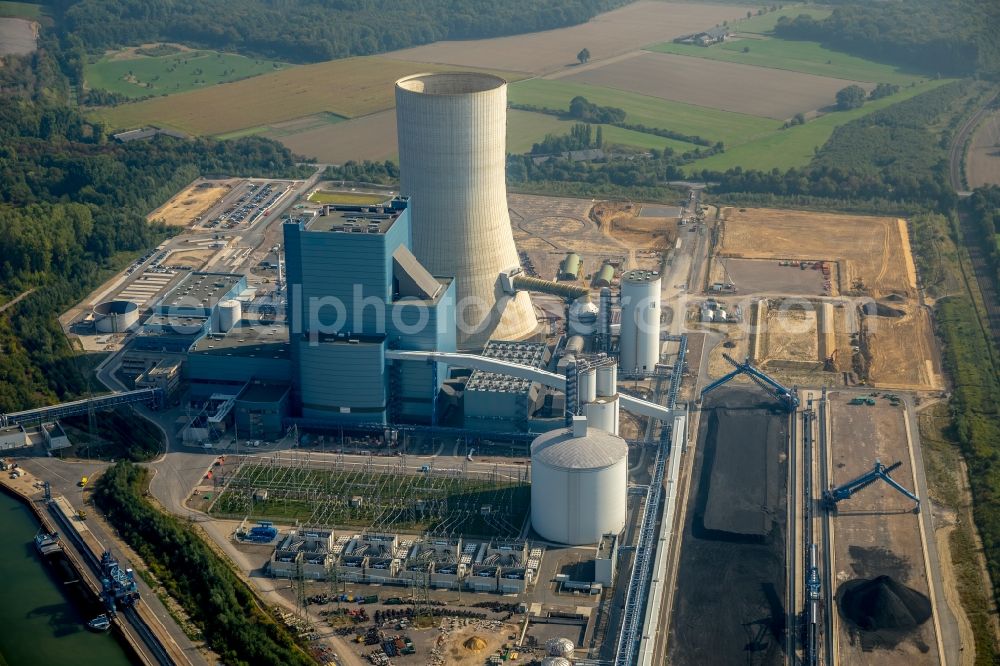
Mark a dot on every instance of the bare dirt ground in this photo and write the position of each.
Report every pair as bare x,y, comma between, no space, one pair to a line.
453,647
191,202
791,336
873,249
982,166
195,258
18,36
621,221
875,532
547,228
605,36
903,351
873,259
757,91
371,137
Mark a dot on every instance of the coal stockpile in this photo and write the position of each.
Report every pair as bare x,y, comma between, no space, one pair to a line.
883,604
729,604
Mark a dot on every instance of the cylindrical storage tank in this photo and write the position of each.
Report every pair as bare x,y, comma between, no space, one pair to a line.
605,276
603,413
587,384
452,132
582,317
707,315
578,484
639,343
230,313
115,316
559,647
721,315
574,345
571,266
607,380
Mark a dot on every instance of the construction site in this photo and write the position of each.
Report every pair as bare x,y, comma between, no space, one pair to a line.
832,299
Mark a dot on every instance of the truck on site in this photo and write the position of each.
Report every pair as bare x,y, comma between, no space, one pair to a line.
83,482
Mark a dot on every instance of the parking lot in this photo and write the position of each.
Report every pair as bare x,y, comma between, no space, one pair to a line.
246,205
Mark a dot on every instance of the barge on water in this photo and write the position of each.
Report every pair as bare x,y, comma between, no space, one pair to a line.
51,550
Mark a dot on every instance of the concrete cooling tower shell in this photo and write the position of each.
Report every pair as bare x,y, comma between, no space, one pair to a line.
578,485
452,131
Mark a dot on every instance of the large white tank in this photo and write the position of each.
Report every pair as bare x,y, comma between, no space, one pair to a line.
230,313
587,385
607,380
603,413
578,484
556,661
559,647
452,132
639,343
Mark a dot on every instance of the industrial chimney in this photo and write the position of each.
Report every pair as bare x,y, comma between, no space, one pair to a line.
452,129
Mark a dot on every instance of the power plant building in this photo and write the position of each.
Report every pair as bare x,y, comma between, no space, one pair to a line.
452,130
355,290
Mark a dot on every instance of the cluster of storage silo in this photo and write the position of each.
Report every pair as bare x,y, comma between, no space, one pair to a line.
598,395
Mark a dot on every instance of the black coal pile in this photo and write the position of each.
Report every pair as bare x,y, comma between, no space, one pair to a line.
883,604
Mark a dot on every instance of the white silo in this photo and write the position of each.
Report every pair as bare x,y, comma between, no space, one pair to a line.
556,661
587,385
230,314
607,380
578,484
639,342
452,130
603,413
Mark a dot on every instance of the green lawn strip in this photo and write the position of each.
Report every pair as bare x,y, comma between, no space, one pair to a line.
795,147
525,128
730,128
143,76
796,56
20,10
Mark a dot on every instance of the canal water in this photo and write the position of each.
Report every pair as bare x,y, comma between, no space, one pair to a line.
39,623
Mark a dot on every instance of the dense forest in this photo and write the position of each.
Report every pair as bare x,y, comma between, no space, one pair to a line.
958,37
890,156
73,208
313,30
216,600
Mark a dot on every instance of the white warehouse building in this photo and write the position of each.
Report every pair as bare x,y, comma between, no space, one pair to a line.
579,483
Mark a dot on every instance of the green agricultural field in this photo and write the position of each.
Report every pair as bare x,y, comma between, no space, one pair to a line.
796,56
764,25
287,128
20,10
525,128
349,88
137,75
347,198
730,128
796,146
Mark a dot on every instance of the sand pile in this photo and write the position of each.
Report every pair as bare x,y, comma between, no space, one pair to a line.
475,643
883,603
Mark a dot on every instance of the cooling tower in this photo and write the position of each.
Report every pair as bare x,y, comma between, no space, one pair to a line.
452,131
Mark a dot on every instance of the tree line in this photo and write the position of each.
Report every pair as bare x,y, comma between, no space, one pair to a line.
73,211
312,30
220,604
955,38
